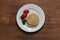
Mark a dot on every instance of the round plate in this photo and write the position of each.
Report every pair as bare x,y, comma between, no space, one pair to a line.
32,9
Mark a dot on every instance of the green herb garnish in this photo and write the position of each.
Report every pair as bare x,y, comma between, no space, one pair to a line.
23,20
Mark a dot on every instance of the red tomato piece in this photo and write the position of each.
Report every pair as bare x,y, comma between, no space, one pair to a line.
26,11
24,15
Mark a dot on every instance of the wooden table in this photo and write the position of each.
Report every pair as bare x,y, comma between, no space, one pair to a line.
9,29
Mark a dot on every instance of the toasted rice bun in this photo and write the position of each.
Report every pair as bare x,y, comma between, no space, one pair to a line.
33,19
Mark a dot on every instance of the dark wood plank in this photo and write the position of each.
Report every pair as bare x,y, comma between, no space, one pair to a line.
9,29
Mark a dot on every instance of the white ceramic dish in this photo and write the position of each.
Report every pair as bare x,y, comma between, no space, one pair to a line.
32,9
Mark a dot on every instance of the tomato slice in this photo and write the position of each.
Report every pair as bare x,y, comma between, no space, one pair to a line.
26,11
24,15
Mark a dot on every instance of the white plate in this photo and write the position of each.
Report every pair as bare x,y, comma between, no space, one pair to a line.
32,9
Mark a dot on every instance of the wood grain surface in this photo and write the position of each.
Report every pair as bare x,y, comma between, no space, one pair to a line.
9,29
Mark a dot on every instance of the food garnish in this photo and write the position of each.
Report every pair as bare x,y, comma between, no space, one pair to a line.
24,15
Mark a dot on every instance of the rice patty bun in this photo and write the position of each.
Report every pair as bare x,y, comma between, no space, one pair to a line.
33,19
